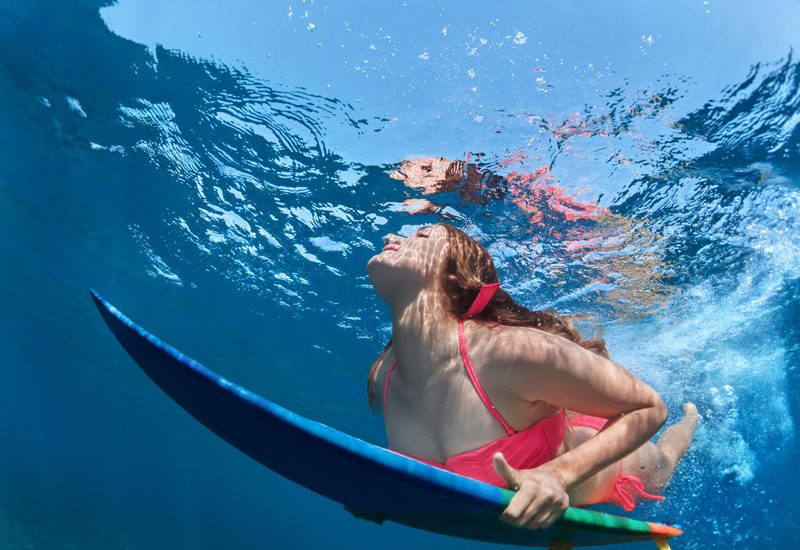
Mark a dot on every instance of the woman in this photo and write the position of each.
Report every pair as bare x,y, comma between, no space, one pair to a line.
481,386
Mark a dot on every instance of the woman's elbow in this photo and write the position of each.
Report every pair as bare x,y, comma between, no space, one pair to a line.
660,413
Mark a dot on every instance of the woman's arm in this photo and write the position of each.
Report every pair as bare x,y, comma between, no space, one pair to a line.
538,366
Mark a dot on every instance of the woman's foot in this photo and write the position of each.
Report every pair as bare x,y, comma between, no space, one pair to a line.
690,411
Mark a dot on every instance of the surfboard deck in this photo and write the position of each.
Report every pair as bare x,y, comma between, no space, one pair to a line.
372,482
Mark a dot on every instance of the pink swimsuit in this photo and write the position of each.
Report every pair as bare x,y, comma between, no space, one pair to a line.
525,449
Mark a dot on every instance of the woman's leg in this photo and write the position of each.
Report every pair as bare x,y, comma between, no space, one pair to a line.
653,463
597,488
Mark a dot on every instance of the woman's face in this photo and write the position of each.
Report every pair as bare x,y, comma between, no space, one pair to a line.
406,265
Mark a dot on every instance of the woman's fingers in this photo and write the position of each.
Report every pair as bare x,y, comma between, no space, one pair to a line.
532,515
536,512
520,510
540,498
516,509
542,519
509,474
551,519
536,515
525,507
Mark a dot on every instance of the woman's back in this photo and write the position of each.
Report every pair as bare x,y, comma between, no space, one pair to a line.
442,415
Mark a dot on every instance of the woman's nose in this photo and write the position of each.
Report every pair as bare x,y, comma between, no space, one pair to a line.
391,238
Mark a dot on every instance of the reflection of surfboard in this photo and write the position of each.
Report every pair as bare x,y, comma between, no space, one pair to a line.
372,482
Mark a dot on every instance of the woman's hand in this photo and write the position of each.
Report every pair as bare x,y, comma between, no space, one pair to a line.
541,496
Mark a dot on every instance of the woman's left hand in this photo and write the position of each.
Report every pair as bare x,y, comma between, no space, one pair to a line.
541,496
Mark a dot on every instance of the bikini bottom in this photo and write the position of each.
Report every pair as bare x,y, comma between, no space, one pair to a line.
624,483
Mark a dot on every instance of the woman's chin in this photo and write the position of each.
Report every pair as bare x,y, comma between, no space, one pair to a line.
376,268
376,258
382,255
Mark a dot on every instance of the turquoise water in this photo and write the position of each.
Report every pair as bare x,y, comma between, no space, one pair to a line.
222,176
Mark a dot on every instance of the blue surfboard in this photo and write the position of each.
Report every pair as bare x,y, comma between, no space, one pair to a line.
372,482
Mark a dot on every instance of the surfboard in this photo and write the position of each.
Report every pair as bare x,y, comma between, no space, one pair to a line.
372,482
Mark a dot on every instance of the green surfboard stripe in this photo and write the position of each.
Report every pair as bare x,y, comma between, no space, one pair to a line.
584,518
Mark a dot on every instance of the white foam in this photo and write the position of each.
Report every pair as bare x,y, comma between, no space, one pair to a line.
720,345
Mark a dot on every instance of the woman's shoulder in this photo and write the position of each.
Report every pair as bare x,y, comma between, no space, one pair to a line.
521,355
511,337
519,339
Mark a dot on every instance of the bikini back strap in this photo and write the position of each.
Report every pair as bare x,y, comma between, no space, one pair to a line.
462,343
386,384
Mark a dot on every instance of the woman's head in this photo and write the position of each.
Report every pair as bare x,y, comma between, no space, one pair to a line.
445,260
408,265
439,258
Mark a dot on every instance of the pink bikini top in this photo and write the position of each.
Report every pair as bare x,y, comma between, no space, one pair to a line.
528,448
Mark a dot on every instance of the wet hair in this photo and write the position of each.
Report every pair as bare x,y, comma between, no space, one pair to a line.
467,266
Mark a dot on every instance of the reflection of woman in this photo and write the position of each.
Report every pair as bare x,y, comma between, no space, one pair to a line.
432,175
572,230
438,175
476,384
535,192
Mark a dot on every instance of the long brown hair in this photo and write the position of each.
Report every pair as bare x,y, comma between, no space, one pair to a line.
466,266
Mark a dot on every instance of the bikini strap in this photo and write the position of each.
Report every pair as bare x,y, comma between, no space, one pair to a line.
462,343
635,483
481,301
386,384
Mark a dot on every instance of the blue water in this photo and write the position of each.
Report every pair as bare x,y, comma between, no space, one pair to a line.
220,172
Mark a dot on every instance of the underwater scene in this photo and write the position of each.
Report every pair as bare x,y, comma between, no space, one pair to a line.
223,171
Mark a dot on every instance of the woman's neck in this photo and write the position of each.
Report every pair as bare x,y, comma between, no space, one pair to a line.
422,330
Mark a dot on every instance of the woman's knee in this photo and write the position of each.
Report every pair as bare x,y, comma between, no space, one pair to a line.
651,465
